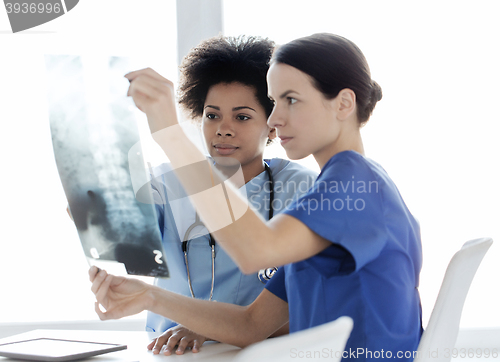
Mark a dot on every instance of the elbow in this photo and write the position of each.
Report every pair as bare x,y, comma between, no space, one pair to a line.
249,339
242,344
247,343
254,254
252,261
248,266
248,331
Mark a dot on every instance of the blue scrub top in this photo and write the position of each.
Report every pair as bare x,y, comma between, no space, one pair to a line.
176,214
371,270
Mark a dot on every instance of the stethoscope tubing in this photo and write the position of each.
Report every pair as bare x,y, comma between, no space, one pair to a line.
211,241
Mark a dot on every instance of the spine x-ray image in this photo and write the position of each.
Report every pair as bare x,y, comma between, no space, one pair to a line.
93,128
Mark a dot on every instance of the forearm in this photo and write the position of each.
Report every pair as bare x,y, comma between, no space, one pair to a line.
223,322
285,329
233,324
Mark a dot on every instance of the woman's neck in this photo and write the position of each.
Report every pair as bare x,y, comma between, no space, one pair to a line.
351,143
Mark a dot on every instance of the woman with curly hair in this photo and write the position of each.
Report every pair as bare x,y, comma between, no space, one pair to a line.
223,89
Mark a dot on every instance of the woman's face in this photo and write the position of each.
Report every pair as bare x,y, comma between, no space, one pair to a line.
235,127
304,119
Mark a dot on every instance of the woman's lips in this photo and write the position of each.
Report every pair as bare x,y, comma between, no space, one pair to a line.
225,149
284,140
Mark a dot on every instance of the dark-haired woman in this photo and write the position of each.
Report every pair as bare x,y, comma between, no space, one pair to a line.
349,246
223,88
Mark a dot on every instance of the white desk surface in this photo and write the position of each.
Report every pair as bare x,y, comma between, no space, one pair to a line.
220,352
136,346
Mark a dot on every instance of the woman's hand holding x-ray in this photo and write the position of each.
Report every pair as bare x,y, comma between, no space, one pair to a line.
118,295
154,95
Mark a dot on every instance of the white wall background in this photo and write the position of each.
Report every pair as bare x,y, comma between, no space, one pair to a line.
436,130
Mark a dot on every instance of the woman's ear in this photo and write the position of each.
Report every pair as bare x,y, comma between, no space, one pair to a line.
272,134
346,103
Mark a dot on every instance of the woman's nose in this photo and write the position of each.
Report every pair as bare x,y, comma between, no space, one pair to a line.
275,119
225,129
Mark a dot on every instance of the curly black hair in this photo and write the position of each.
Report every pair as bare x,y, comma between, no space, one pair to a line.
221,59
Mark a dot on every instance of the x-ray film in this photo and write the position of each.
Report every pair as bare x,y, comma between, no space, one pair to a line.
93,128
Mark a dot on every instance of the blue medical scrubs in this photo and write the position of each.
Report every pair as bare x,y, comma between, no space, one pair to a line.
371,270
176,214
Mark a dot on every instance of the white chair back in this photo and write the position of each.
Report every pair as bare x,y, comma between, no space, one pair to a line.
441,333
324,342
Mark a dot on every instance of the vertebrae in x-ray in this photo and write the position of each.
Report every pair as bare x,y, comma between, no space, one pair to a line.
93,128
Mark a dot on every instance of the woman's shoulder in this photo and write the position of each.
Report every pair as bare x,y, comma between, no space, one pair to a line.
354,173
351,165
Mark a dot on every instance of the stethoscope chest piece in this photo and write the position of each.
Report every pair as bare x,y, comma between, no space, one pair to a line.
265,274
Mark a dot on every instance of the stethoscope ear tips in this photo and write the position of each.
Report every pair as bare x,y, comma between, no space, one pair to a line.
265,274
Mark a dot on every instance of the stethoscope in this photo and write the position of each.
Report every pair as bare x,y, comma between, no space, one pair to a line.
264,275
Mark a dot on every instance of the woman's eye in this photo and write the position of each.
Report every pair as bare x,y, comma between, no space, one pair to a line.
242,117
291,100
211,116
